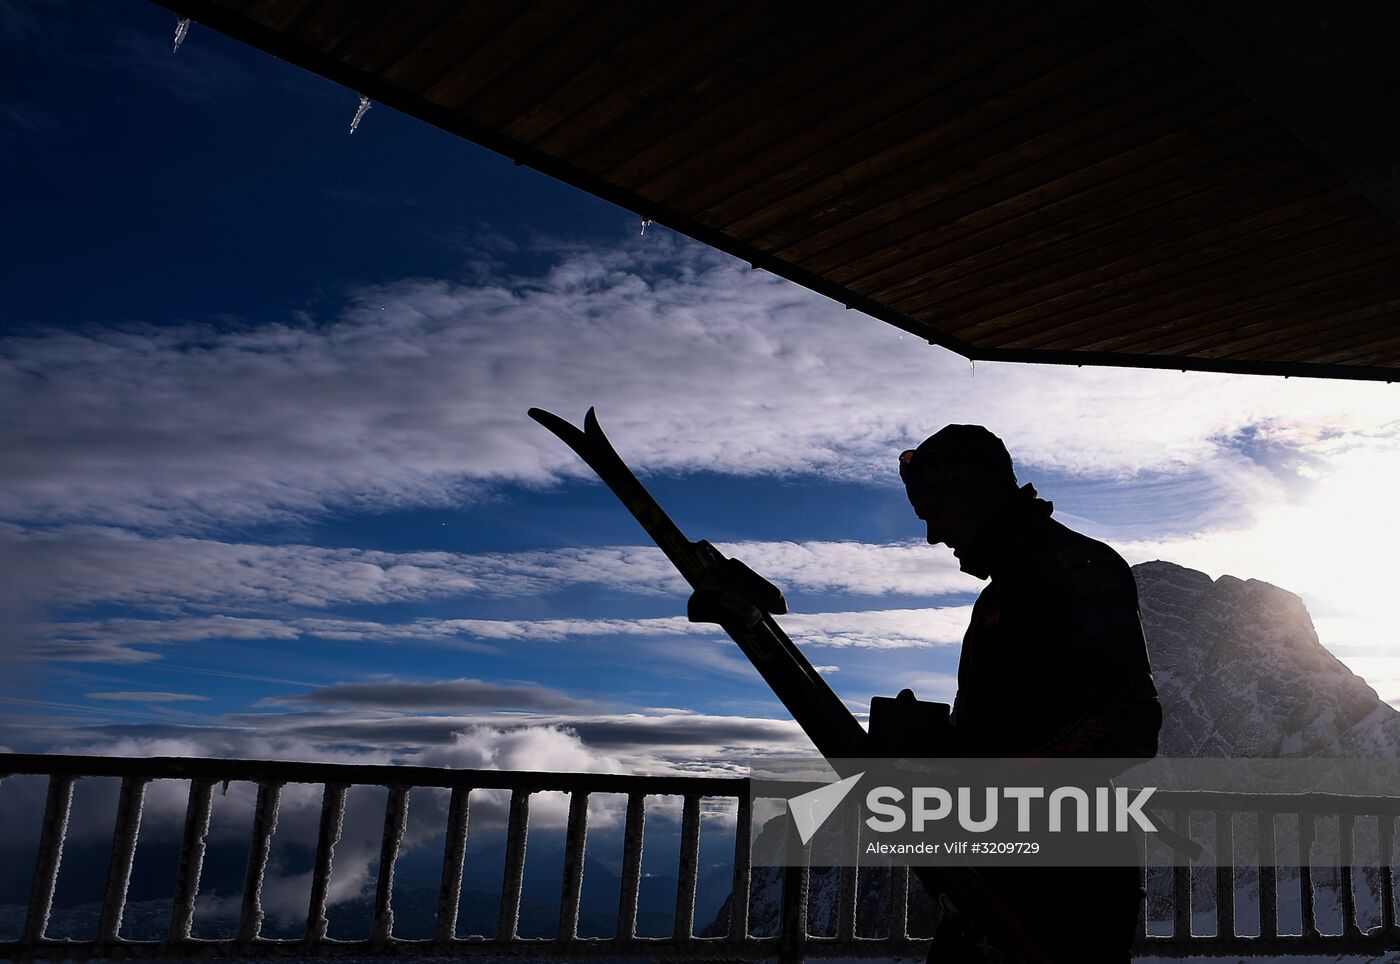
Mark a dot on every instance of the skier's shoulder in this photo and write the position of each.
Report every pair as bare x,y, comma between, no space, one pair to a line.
1080,565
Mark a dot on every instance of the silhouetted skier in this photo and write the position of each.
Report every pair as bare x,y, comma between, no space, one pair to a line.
1053,664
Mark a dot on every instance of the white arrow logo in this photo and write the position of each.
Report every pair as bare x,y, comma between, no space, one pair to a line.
809,810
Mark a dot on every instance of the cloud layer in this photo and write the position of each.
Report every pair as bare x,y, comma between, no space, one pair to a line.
415,395
459,695
127,640
129,450
85,566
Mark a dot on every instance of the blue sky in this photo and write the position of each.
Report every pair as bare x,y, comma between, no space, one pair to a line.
271,490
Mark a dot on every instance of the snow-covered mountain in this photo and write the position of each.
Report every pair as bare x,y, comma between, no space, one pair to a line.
1241,673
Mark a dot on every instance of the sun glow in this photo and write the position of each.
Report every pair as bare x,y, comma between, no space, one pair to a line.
1336,547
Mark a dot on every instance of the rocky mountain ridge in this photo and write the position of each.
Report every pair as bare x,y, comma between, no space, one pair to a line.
1241,673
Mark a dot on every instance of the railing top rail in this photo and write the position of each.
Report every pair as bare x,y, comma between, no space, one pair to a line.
281,771
1267,802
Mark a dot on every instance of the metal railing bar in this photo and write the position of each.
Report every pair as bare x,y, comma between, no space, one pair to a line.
57,805
1346,883
1387,845
284,772
513,878
743,857
191,858
327,836
846,889
395,823
688,868
796,878
124,833
250,917
1224,874
571,887
1268,878
1141,934
1181,885
1306,834
632,834
899,903
454,851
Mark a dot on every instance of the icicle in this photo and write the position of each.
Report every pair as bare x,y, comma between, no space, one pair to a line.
972,367
182,28
645,222
359,113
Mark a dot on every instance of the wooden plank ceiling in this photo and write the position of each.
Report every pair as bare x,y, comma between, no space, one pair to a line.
1066,182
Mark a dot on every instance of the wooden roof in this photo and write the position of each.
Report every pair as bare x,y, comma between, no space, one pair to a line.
1065,182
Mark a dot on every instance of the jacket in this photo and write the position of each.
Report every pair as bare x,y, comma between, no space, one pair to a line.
1053,662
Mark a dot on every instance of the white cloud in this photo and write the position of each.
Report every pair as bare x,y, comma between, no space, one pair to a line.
145,697
114,640
459,695
935,687
423,402
78,566
655,741
912,568
880,628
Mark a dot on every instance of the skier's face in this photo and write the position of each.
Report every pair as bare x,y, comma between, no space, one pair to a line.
952,512
952,517
937,515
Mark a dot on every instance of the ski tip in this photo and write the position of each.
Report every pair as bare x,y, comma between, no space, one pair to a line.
553,422
565,429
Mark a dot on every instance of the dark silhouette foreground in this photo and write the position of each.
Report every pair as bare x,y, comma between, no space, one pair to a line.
1053,664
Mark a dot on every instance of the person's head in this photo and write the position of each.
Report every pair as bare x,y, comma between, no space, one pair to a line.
956,480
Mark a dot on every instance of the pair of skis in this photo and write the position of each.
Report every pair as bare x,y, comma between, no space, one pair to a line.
743,604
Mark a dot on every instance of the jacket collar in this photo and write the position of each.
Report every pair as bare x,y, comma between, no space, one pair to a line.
1000,540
